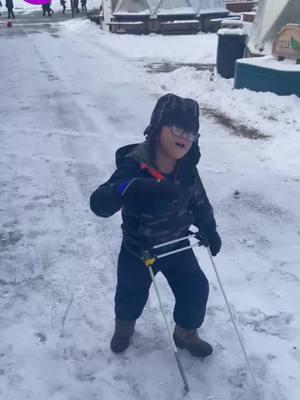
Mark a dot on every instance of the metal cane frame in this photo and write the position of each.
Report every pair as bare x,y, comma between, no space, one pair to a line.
149,257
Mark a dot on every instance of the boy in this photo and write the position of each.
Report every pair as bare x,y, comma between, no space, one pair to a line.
159,190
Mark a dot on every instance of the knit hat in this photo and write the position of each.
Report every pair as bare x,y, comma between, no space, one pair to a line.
171,109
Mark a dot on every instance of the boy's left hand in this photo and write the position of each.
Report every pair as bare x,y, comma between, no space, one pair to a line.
215,243
211,240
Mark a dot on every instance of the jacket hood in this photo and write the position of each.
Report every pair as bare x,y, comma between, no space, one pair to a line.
123,152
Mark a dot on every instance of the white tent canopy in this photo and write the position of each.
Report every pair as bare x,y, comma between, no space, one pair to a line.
174,7
132,7
168,7
271,17
209,6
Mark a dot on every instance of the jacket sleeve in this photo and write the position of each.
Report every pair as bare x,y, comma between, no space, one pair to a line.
105,201
201,208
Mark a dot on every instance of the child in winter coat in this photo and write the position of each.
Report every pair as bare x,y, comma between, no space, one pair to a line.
158,188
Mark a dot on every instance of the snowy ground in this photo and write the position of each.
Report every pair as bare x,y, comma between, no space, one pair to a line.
70,96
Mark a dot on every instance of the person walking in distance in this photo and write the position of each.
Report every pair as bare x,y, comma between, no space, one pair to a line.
47,9
10,6
83,5
63,4
76,8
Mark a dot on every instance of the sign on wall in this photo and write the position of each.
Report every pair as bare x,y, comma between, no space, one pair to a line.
287,43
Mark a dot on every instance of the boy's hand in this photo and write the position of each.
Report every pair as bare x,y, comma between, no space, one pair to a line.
211,240
215,243
147,189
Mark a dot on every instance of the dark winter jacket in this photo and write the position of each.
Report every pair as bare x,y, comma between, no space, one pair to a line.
9,4
158,221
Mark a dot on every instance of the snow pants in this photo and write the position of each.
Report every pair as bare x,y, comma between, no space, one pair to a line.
10,13
187,281
46,9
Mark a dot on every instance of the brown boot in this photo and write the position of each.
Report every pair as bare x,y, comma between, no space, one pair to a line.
189,339
123,332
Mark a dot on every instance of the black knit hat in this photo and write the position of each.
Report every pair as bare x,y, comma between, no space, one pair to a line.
171,109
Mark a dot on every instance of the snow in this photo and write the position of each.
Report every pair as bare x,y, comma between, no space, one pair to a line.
234,32
219,10
136,13
232,22
127,23
272,63
196,48
70,101
191,21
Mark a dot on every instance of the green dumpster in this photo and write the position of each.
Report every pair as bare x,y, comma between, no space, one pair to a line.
231,46
267,74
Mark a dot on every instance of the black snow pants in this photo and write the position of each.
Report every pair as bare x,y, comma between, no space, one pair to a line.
187,281
46,9
10,13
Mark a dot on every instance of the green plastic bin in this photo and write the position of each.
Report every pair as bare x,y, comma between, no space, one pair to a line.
254,76
231,46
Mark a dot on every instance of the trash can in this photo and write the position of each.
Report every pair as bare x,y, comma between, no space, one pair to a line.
231,46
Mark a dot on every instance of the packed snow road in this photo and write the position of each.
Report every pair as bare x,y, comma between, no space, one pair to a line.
68,101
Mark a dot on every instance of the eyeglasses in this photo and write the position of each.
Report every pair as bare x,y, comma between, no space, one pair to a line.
180,132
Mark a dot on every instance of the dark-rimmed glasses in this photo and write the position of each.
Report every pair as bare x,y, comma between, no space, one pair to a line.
180,132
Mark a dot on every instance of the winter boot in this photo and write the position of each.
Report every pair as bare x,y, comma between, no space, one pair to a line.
123,332
189,339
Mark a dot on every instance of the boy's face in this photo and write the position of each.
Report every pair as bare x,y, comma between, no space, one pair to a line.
173,146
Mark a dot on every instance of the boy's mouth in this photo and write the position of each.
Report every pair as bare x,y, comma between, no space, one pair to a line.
181,145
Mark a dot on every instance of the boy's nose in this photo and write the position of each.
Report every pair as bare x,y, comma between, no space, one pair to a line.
185,137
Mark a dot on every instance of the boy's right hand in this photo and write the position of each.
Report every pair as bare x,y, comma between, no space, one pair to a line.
147,189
